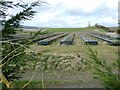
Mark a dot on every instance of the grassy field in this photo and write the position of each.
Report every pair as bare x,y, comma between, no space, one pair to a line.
72,29
77,48
75,65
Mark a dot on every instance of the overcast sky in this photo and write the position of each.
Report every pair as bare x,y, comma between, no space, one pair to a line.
74,13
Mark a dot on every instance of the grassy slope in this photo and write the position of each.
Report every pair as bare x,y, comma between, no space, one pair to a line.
51,30
71,29
113,29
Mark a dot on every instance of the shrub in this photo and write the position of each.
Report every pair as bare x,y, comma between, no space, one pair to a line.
104,73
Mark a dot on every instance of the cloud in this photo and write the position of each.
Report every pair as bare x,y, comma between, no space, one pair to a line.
74,13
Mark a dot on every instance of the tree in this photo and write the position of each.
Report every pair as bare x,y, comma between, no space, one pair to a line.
13,54
10,26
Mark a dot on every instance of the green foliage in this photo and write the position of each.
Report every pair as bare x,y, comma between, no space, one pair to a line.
13,54
104,73
4,5
33,58
34,35
13,58
118,31
11,24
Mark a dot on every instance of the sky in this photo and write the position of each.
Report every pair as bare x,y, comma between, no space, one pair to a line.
73,13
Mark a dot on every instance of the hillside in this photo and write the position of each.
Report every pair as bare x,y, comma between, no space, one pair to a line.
92,28
113,29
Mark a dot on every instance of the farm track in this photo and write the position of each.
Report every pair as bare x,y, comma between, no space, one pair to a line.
64,79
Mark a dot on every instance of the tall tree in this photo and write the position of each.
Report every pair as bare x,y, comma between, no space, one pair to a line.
13,55
10,26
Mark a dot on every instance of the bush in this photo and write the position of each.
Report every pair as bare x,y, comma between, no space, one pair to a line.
104,73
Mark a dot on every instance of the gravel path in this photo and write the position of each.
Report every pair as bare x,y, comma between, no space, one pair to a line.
64,79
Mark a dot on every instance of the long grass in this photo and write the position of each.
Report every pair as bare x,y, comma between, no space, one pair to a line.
109,79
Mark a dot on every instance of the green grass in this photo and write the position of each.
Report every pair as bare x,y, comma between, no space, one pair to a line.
21,83
106,52
38,84
51,30
71,29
